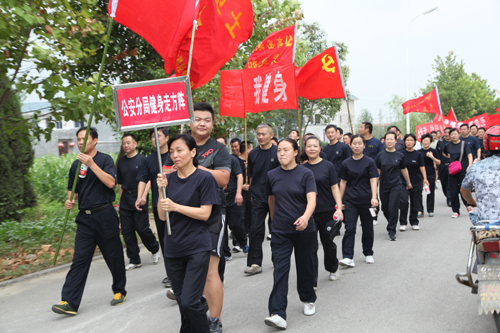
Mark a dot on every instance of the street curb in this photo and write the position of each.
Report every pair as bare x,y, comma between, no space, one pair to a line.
48,271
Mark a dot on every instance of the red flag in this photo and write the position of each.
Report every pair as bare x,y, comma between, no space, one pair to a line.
428,128
451,115
437,118
497,110
429,103
277,49
494,119
222,27
321,77
232,102
162,23
270,88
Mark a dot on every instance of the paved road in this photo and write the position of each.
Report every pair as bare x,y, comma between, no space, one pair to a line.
410,288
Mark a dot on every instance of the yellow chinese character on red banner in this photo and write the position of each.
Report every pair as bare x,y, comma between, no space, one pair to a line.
263,62
270,45
430,106
275,57
199,16
260,47
218,4
252,64
236,23
428,97
289,41
279,42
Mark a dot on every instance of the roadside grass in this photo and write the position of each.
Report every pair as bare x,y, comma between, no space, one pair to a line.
29,245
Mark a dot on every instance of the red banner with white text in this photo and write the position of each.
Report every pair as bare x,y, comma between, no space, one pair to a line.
428,128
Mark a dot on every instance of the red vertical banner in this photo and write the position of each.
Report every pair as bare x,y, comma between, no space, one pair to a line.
232,102
270,88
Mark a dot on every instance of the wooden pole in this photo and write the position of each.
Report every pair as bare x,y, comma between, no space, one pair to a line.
91,116
349,113
193,32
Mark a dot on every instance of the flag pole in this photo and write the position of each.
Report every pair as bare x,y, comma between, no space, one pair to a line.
163,189
89,122
349,113
193,32
246,151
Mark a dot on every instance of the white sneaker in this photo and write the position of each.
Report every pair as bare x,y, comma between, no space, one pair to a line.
309,309
275,321
156,257
335,275
369,260
402,228
415,227
130,267
375,222
237,249
346,262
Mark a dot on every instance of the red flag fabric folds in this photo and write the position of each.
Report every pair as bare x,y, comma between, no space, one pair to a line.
222,27
321,77
232,102
162,23
270,88
277,49
429,103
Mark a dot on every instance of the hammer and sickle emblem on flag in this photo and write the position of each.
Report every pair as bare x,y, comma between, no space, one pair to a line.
326,65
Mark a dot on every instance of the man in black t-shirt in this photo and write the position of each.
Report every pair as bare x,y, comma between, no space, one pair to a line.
97,224
260,161
336,151
443,172
147,179
133,220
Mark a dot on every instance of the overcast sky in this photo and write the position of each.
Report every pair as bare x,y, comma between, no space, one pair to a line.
375,33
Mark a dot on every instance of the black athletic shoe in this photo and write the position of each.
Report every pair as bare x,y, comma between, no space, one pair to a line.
166,282
392,237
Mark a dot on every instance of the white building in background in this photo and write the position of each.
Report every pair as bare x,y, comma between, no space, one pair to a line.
63,139
341,119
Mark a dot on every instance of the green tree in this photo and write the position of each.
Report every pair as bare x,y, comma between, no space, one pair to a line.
469,95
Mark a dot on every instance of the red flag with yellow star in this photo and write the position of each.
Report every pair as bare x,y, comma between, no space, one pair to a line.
321,77
162,23
222,26
428,103
277,49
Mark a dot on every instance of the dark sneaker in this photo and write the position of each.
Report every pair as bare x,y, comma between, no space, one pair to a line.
118,299
63,308
203,302
166,282
214,325
392,237
245,249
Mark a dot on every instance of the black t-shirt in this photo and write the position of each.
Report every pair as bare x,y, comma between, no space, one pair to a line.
473,143
214,155
413,161
190,236
372,148
453,149
325,177
357,174
92,193
430,170
127,171
290,188
390,165
260,162
445,161
235,171
149,172
337,153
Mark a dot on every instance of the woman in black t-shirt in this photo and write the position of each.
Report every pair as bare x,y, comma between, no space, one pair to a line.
391,167
292,199
412,197
358,187
431,160
328,196
193,199
452,151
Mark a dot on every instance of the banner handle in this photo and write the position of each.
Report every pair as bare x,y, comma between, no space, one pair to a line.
164,191
246,151
94,102
349,113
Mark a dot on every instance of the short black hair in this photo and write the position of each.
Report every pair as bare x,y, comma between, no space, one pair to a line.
294,143
482,128
466,125
92,132
244,145
221,137
433,132
129,134
393,126
453,130
355,136
390,133
410,135
426,136
330,126
202,106
164,130
447,128
294,131
473,125
341,131
275,139
438,131
190,142
233,140
309,134
368,125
